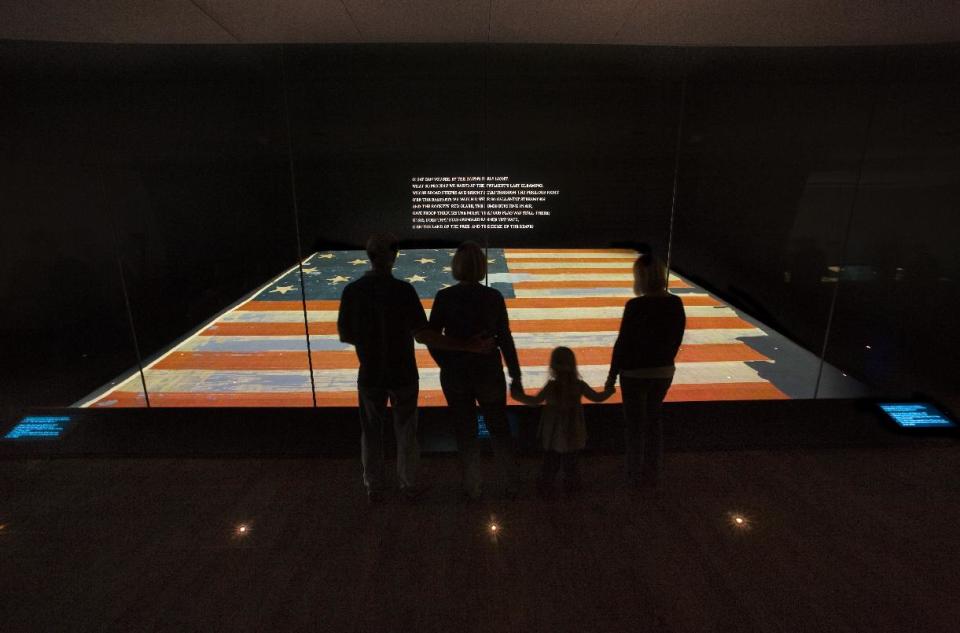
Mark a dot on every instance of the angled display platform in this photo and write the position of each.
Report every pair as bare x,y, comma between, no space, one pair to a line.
254,354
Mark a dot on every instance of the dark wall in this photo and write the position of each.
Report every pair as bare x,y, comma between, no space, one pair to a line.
592,122
771,149
895,328
171,164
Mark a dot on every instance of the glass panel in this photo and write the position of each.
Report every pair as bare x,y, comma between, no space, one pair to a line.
893,326
369,124
770,151
591,132
198,173
540,148
64,329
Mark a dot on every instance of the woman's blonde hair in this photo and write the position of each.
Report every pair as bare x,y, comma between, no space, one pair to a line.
563,371
649,274
469,262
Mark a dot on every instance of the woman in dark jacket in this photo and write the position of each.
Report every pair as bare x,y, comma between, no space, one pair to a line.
471,310
650,335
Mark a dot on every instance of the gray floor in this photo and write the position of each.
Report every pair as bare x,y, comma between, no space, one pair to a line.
852,540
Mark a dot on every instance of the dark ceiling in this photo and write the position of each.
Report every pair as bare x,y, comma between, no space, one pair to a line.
637,22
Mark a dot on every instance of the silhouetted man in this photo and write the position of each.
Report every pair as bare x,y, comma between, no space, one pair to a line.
381,316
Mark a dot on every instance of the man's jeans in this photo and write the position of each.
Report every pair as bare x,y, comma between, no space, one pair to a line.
373,415
464,389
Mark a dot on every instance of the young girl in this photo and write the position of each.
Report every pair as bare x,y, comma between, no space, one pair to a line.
562,429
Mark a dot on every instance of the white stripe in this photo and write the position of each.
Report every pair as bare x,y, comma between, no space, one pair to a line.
278,316
719,336
516,314
257,344
549,340
201,342
262,381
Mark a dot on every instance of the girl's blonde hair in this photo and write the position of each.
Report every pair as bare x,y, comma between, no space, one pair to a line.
649,275
563,371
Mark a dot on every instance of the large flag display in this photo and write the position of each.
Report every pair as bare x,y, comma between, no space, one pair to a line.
255,353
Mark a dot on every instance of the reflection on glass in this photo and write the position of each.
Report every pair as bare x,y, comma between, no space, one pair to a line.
892,326
197,172
768,170
192,156
63,328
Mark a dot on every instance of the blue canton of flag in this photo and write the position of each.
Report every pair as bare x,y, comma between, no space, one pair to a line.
325,274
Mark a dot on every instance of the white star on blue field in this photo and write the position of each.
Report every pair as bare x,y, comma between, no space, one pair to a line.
326,273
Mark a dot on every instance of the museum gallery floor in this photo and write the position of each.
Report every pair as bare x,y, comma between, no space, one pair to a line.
255,353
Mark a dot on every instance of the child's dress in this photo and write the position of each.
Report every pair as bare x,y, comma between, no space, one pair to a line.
562,427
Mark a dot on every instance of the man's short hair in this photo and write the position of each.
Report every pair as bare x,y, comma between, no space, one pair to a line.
382,249
469,262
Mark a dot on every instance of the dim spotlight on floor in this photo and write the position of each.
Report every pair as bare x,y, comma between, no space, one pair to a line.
494,529
739,520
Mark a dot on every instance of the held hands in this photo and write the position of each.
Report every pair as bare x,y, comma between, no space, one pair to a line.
610,387
516,390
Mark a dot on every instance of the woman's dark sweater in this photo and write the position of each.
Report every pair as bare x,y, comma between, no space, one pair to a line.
650,333
468,310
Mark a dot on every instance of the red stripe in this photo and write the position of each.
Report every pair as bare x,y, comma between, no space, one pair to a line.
347,359
266,306
231,328
561,270
674,283
613,325
515,251
559,261
598,302
724,391
267,329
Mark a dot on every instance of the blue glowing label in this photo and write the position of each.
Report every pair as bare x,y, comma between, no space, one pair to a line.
916,415
39,427
482,431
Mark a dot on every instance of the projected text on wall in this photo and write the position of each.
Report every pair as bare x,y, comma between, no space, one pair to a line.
477,202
